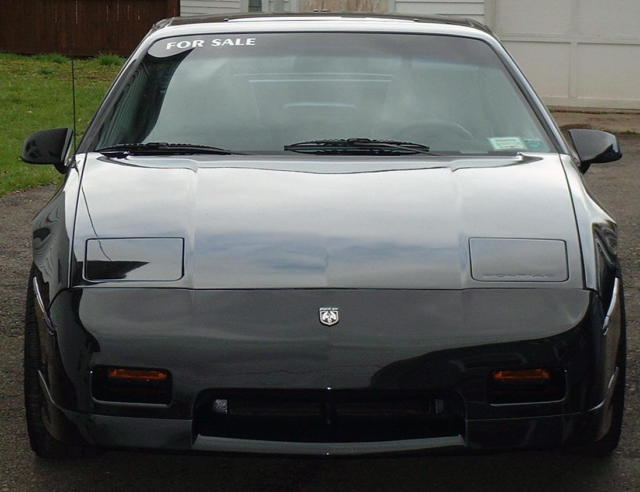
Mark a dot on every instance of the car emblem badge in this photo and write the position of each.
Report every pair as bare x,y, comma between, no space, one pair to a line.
329,315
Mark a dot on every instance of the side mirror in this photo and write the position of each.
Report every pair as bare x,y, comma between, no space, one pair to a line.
594,146
48,147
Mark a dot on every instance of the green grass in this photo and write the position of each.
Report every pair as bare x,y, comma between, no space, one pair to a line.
109,60
35,94
51,57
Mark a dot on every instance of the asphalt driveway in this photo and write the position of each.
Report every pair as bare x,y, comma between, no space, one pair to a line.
617,186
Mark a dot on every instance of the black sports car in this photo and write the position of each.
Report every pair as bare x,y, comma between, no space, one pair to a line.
323,235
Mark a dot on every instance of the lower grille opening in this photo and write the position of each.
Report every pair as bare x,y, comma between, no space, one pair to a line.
324,416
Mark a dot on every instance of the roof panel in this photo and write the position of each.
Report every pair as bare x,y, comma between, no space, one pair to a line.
179,26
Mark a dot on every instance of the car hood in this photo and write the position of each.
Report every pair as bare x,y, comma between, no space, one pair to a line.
230,222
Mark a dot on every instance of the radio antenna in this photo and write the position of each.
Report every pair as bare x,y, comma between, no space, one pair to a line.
73,98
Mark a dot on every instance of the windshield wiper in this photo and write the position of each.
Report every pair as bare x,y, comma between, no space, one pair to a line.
358,146
161,148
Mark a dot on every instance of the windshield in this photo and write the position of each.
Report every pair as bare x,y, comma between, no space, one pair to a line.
260,93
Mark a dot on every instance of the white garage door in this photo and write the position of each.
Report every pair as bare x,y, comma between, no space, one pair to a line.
575,52
453,8
212,7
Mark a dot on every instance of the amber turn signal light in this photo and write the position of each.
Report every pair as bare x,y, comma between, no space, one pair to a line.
526,386
137,374
522,375
131,385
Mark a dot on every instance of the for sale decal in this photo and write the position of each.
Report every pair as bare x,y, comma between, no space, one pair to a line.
172,46
201,43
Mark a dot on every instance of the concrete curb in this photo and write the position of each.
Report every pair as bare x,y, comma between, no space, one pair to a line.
615,121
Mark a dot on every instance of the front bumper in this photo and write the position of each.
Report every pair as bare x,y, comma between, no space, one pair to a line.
110,431
427,342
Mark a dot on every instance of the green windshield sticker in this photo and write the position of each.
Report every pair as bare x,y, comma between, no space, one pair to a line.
534,143
507,143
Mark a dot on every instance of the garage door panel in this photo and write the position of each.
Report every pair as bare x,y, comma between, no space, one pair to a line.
605,71
469,9
575,52
535,17
609,19
546,65
210,7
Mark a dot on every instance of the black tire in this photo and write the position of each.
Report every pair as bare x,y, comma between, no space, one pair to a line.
609,442
42,443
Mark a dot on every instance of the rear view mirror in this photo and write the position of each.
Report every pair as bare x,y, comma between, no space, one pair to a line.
48,147
594,146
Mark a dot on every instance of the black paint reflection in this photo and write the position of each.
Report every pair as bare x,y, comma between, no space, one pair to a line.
111,270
